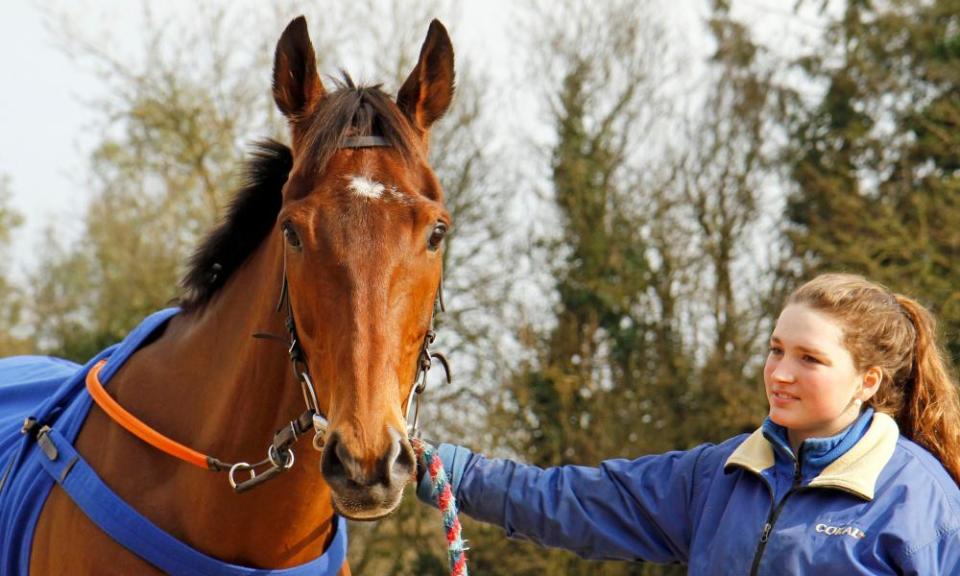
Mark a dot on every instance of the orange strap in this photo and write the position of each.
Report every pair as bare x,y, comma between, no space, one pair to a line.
136,426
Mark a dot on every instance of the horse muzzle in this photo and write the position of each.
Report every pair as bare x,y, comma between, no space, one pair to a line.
371,488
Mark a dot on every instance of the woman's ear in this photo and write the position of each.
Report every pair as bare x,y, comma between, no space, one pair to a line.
872,379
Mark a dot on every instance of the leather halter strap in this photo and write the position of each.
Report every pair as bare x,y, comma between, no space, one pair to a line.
365,142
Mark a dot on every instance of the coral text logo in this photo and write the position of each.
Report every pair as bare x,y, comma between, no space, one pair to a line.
841,531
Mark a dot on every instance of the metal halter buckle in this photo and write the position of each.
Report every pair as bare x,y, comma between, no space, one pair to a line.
274,460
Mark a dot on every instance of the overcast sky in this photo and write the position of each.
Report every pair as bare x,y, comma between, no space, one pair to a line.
46,110
47,104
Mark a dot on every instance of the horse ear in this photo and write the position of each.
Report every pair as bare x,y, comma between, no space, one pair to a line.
296,84
428,91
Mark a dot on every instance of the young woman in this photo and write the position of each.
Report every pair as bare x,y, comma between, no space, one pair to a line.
854,471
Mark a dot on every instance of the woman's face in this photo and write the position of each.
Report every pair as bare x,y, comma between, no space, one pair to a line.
810,378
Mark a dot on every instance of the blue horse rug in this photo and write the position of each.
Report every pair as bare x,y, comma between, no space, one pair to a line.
40,391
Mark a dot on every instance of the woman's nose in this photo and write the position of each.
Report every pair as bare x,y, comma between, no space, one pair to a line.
782,373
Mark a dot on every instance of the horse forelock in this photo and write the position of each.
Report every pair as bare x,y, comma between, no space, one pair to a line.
356,111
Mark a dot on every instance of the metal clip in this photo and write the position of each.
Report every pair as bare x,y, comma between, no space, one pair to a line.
46,444
240,467
274,457
29,423
255,479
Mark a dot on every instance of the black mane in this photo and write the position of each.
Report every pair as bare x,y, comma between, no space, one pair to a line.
252,214
249,218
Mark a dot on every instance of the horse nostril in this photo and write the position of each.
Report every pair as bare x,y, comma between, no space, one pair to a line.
337,464
342,470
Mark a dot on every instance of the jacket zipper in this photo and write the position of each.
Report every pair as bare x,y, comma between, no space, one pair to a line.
774,513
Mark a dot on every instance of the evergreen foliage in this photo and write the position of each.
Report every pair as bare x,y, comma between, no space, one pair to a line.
875,162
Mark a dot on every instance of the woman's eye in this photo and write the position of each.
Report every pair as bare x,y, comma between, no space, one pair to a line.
775,351
291,236
811,359
436,236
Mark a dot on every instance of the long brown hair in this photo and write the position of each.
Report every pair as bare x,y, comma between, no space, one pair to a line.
898,335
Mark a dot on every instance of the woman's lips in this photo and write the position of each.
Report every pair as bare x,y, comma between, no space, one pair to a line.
781,398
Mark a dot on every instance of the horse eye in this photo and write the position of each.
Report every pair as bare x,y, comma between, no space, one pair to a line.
436,236
291,235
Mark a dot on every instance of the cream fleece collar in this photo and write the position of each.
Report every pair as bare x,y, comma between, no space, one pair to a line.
856,471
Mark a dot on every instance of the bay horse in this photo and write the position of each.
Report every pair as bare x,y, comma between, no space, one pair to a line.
334,247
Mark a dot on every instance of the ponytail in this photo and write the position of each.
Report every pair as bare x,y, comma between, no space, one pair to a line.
930,412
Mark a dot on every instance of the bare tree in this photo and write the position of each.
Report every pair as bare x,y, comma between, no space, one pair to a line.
11,298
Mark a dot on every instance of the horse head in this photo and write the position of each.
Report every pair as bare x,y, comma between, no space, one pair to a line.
363,222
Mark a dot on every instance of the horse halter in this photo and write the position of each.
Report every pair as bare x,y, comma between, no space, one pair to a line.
280,456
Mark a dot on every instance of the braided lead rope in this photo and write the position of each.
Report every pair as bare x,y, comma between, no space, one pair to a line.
456,550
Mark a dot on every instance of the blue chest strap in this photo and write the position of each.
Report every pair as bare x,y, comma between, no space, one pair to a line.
139,535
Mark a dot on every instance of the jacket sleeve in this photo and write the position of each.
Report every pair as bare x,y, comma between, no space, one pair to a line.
623,510
939,557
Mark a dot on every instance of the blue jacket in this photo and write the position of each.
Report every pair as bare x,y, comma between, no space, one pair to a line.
866,501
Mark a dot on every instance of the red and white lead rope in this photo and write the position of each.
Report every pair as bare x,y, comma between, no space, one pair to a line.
456,550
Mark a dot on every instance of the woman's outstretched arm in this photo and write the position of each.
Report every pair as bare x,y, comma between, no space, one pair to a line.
623,509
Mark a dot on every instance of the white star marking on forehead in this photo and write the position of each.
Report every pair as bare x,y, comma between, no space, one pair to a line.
366,188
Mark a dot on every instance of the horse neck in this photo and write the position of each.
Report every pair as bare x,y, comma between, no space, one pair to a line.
208,383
